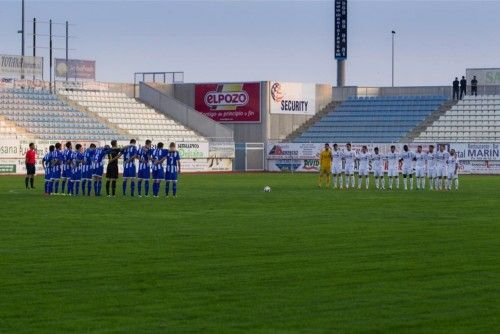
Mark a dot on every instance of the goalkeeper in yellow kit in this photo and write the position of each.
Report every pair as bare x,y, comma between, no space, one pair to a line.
325,165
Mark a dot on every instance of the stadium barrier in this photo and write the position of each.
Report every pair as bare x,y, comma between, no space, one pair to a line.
474,158
217,156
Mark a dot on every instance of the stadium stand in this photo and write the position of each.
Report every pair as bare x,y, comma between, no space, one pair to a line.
383,119
44,116
473,119
127,114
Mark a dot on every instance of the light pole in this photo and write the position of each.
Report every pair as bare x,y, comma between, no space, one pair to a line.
393,33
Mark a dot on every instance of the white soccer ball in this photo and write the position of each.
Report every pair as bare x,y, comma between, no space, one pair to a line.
267,189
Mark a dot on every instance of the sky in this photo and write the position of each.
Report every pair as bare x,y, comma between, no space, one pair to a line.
213,41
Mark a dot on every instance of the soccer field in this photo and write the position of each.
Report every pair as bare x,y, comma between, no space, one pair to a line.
225,257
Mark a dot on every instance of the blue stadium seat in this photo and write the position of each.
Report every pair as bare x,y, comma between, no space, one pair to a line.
372,119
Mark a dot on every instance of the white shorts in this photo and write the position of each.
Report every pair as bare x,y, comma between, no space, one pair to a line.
363,172
349,170
431,172
407,170
420,172
379,172
452,175
336,169
393,172
441,171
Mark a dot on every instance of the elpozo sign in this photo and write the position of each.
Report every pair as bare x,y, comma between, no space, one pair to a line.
292,98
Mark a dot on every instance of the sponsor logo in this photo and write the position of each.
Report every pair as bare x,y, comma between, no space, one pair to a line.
288,166
190,145
4,168
233,99
493,78
276,92
289,99
311,164
277,150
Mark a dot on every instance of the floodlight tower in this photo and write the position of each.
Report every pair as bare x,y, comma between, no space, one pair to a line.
340,39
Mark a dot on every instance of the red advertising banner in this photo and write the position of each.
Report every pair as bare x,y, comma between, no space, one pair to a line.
229,102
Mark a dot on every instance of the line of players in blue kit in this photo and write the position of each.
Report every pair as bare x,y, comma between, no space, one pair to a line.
68,170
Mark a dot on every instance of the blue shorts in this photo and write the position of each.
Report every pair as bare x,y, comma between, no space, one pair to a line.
129,172
98,171
85,172
158,174
144,173
48,174
76,174
56,172
66,172
171,176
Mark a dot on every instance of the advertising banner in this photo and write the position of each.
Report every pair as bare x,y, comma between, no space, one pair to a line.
193,150
222,150
11,65
481,151
196,156
75,69
229,102
482,158
293,98
484,76
479,167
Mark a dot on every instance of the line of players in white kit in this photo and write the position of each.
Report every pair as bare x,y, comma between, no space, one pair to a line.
439,167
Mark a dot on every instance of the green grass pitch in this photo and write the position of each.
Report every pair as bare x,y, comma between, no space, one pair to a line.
225,257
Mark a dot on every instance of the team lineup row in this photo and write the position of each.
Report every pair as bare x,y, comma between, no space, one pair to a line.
77,168
439,167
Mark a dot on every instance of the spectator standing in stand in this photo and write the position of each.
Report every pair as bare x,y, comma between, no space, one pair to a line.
456,85
473,86
463,87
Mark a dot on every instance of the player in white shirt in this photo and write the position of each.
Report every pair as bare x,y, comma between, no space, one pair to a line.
393,160
364,167
431,167
452,163
378,169
421,158
337,167
349,157
441,158
407,156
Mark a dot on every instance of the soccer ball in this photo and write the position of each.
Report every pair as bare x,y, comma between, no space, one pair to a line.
267,189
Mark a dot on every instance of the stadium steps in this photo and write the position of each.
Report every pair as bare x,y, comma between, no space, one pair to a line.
20,132
75,105
415,133
311,121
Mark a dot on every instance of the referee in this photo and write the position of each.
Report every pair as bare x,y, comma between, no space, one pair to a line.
112,169
30,166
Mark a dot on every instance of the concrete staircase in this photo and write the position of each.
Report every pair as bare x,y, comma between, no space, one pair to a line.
21,133
410,136
307,124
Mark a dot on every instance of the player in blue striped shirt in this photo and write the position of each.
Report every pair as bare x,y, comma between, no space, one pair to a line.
57,162
88,157
158,156
98,169
66,166
129,169
46,164
173,169
144,172
77,160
